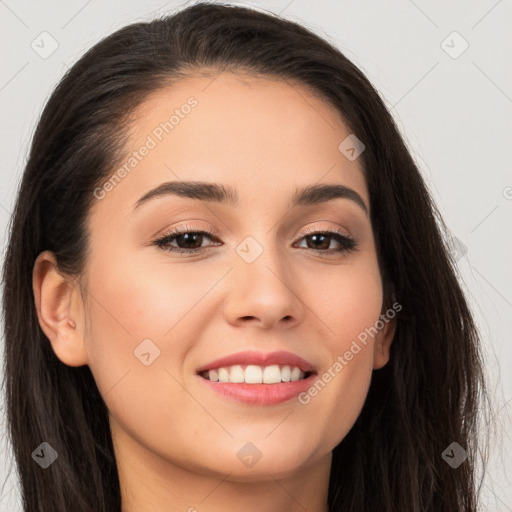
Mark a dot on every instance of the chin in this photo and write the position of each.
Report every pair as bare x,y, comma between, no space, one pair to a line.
250,464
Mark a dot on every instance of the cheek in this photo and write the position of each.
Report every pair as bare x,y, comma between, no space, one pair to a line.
348,301
137,315
350,305
146,299
137,369
132,301
337,397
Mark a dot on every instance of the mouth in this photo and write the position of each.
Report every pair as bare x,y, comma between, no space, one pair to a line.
255,374
257,378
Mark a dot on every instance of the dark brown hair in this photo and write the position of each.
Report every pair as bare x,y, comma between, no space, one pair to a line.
424,399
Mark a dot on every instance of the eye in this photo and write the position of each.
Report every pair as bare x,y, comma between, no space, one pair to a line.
320,241
188,241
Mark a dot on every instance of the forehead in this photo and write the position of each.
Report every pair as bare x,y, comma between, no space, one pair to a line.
258,135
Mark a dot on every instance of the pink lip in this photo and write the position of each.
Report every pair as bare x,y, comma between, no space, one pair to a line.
260,394
260,359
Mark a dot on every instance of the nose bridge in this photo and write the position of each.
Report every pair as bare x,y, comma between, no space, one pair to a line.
260,253
261,242
262,286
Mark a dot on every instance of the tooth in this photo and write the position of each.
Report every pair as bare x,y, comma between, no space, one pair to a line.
271,374
236,374
223,375
295,374
253,374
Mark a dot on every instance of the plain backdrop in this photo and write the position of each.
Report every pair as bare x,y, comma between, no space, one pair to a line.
444,71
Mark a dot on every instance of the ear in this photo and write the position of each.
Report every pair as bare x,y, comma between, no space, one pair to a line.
382,342
60,310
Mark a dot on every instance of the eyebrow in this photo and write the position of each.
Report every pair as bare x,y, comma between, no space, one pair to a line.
215,192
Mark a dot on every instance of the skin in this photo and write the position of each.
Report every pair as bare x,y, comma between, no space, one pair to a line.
176,441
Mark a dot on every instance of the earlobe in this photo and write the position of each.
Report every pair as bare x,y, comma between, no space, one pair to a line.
59,310
382,344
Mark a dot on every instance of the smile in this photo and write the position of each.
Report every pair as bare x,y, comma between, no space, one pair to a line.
258,378
253,374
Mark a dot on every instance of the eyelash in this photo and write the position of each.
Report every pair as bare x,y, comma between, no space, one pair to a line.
347,243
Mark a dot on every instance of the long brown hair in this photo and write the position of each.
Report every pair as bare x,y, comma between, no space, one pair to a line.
424,399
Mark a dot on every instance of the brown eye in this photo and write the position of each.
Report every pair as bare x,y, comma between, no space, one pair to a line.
320,241
186,241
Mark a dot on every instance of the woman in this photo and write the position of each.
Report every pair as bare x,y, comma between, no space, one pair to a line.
226,286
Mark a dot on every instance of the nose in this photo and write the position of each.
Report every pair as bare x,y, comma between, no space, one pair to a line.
263,292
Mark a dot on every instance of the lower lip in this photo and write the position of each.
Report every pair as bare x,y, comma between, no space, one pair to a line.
260,394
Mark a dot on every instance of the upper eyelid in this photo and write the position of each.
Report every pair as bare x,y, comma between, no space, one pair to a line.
338,230
214,233
175,232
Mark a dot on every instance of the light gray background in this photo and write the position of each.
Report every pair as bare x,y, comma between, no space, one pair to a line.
454,112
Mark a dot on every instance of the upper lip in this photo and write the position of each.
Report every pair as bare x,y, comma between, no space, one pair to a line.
280,357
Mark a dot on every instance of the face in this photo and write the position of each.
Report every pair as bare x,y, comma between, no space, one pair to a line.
247,279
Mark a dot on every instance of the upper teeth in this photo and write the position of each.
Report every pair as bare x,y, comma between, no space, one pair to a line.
253,374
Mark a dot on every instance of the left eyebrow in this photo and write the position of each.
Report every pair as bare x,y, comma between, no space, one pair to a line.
215,192
315,194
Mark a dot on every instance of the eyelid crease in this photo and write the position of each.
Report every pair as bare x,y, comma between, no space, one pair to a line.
347,243
181,229
310,231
